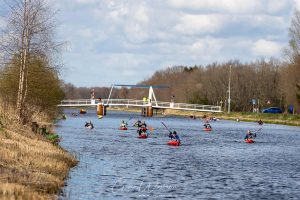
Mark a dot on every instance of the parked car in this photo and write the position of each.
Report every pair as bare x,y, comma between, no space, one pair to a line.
272,110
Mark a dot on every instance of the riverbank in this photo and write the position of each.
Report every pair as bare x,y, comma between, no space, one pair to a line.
285,119
31,167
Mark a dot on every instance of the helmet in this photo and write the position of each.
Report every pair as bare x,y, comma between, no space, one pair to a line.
174,132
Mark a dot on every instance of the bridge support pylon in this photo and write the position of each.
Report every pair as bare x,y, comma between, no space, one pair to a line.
101,110
147,111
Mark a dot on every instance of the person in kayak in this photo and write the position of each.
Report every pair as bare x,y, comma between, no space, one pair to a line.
123,124
144,125
142,130
138,123
171,136
207,125
176,137
250,135
89,125
260,122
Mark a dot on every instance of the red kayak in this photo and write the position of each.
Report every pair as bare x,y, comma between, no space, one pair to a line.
173,143
143,136
249,141
123,128
207,129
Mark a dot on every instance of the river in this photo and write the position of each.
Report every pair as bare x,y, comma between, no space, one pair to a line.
115,164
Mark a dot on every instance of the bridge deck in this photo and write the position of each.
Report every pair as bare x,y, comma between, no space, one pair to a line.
140,103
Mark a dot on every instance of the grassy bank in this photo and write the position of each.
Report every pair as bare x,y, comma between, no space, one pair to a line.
285,119
31,167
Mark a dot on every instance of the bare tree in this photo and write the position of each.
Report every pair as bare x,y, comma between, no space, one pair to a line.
29,32
291,75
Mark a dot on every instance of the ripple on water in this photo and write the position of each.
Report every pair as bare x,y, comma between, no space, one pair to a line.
116,164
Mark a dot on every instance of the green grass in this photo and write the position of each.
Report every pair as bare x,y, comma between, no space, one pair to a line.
287,119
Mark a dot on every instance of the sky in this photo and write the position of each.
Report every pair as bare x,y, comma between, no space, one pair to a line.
126,41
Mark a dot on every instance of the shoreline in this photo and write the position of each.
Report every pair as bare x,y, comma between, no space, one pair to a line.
284,119
31,166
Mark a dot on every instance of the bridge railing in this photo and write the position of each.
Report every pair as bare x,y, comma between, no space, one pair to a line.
140,103
185,106
75,102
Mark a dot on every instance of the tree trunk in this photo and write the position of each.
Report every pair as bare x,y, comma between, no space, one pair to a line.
22,89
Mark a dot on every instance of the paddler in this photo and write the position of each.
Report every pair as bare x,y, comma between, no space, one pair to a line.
260,122
250,135
123,124
89,125
138,123
144,125
207,125
176,137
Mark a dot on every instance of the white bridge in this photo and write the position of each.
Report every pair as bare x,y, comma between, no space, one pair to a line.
139,103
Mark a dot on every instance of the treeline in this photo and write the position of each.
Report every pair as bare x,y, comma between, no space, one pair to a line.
268,83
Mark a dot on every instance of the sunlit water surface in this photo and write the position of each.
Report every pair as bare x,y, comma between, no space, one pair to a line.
115,164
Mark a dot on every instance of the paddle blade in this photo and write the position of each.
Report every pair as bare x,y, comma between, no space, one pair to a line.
151,128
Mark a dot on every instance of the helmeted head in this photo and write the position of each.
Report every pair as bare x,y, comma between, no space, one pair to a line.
248,131
174,133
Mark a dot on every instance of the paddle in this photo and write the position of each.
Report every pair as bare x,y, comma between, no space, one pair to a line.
254,133
257,130
166,127
130,118
151,128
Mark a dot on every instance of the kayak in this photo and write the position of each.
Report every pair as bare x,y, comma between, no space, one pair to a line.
82,111
207,129
143,136
249,141
123,128
173,143
100,116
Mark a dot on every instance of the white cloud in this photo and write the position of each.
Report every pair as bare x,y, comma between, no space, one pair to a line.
86,33
207,46
196,24
277,6
2,22
297,4
141,15
267,48
136,26
233,6
276,22
116,37
86,1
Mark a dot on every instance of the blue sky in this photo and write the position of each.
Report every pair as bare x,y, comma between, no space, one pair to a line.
125,41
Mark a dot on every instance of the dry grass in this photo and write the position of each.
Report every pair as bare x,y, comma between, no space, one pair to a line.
30,166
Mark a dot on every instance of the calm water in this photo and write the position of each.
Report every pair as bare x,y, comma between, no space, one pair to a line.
116,164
